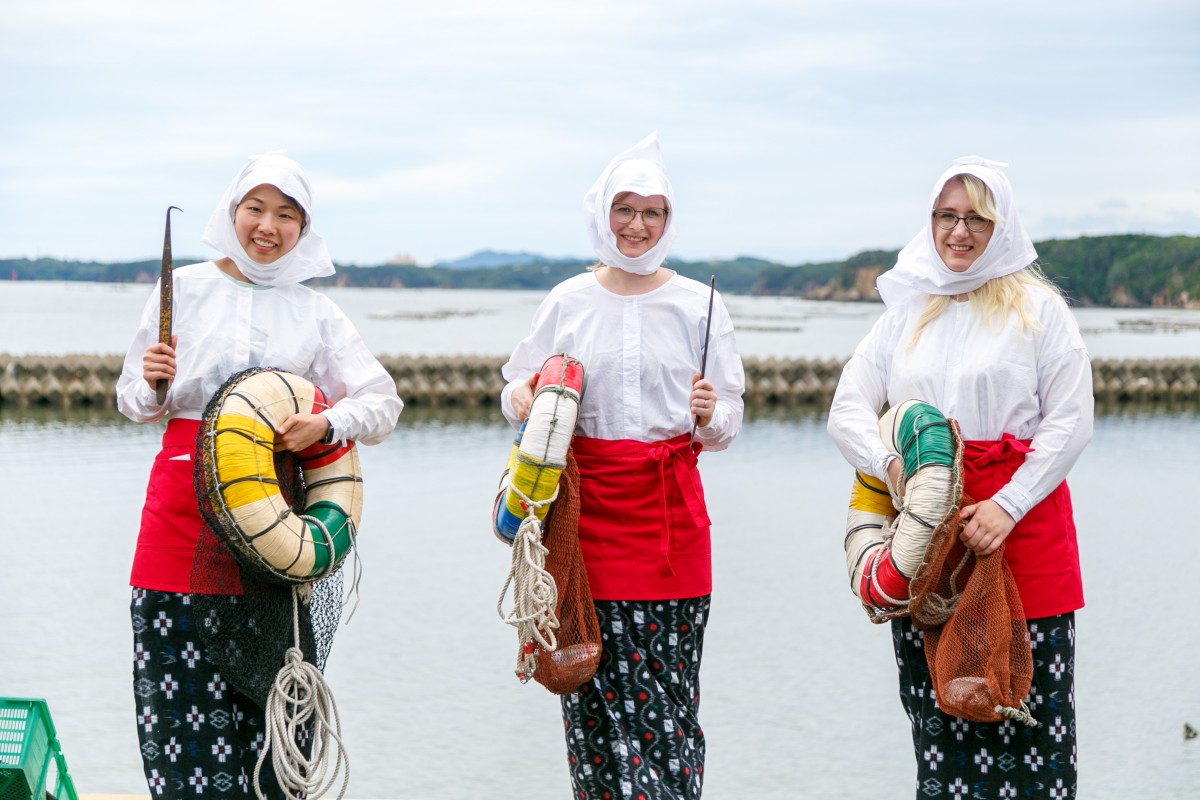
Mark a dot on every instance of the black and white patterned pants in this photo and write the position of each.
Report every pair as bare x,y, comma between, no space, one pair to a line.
199,736
633,732
959,759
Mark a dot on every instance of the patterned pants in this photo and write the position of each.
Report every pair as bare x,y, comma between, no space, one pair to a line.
957,758
632,732
199,736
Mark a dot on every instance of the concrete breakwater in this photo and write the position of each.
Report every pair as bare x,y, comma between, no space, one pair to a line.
88,381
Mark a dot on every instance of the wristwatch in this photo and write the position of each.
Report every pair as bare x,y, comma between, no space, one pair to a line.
329,437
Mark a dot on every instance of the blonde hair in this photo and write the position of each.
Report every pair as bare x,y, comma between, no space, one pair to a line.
980,197
996,298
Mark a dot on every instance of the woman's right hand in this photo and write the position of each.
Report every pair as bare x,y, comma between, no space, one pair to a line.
522,397
158,362
987,526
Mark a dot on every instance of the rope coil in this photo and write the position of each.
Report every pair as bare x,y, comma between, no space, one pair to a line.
300,697
535,595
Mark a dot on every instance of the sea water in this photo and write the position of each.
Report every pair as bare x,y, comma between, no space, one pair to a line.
55,318
799,689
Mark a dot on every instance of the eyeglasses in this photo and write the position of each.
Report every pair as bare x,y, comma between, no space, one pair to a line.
948,222
651,217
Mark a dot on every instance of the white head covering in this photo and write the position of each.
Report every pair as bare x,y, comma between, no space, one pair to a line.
640,170
308,259
920,270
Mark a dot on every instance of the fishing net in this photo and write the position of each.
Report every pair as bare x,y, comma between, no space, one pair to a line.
244,613
976,637
547,573
905,558
573,662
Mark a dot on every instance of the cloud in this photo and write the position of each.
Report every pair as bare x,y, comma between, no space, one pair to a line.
791,130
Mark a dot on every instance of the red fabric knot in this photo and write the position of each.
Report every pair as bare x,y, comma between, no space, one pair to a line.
679,456
1006,448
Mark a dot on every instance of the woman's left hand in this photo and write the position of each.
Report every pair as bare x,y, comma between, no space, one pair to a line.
703,401
988,525
300,431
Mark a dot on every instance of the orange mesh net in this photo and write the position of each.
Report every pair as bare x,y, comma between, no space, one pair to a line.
574,661
976,637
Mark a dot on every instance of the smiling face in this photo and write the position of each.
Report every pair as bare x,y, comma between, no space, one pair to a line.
267,223
635,238
959,247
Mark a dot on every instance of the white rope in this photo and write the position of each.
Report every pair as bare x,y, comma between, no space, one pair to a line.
298,697
1022,714
535,595
356,572
351,594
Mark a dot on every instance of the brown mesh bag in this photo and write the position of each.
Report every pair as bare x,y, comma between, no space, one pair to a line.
976,637
574,661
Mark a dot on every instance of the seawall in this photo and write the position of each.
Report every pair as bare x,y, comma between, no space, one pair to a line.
88,381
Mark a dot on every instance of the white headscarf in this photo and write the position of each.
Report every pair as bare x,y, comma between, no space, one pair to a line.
920,270
640,170
308,259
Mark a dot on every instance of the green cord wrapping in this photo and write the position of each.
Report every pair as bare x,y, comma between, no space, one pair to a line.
924,438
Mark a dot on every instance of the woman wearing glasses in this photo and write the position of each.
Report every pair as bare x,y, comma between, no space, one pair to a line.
639,330
974,328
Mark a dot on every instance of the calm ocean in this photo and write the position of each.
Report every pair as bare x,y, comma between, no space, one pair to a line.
799,689
56,318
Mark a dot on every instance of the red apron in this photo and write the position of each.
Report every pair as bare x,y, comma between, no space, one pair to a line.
1042,550
171,521
643,525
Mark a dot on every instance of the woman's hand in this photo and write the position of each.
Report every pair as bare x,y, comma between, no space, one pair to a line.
988,525
703,401
300,431
158,362
522,397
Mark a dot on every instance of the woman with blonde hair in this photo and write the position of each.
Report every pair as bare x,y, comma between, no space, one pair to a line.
974,328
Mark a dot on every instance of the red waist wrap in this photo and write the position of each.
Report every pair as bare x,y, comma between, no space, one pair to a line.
643,525
1042,550
171,521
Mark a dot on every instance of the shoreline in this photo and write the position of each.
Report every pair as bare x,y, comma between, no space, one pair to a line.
86,381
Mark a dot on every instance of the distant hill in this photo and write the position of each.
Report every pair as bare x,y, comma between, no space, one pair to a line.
1131,270
1123,271
490,259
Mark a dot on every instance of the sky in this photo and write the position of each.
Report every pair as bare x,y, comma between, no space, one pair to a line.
792,130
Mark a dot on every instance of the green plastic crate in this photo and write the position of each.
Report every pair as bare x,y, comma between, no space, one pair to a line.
28,746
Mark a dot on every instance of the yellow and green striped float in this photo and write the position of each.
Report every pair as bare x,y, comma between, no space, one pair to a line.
888,530
239,490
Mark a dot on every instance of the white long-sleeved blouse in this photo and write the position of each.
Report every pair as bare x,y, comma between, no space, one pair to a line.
1032,385
639,354
225,326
